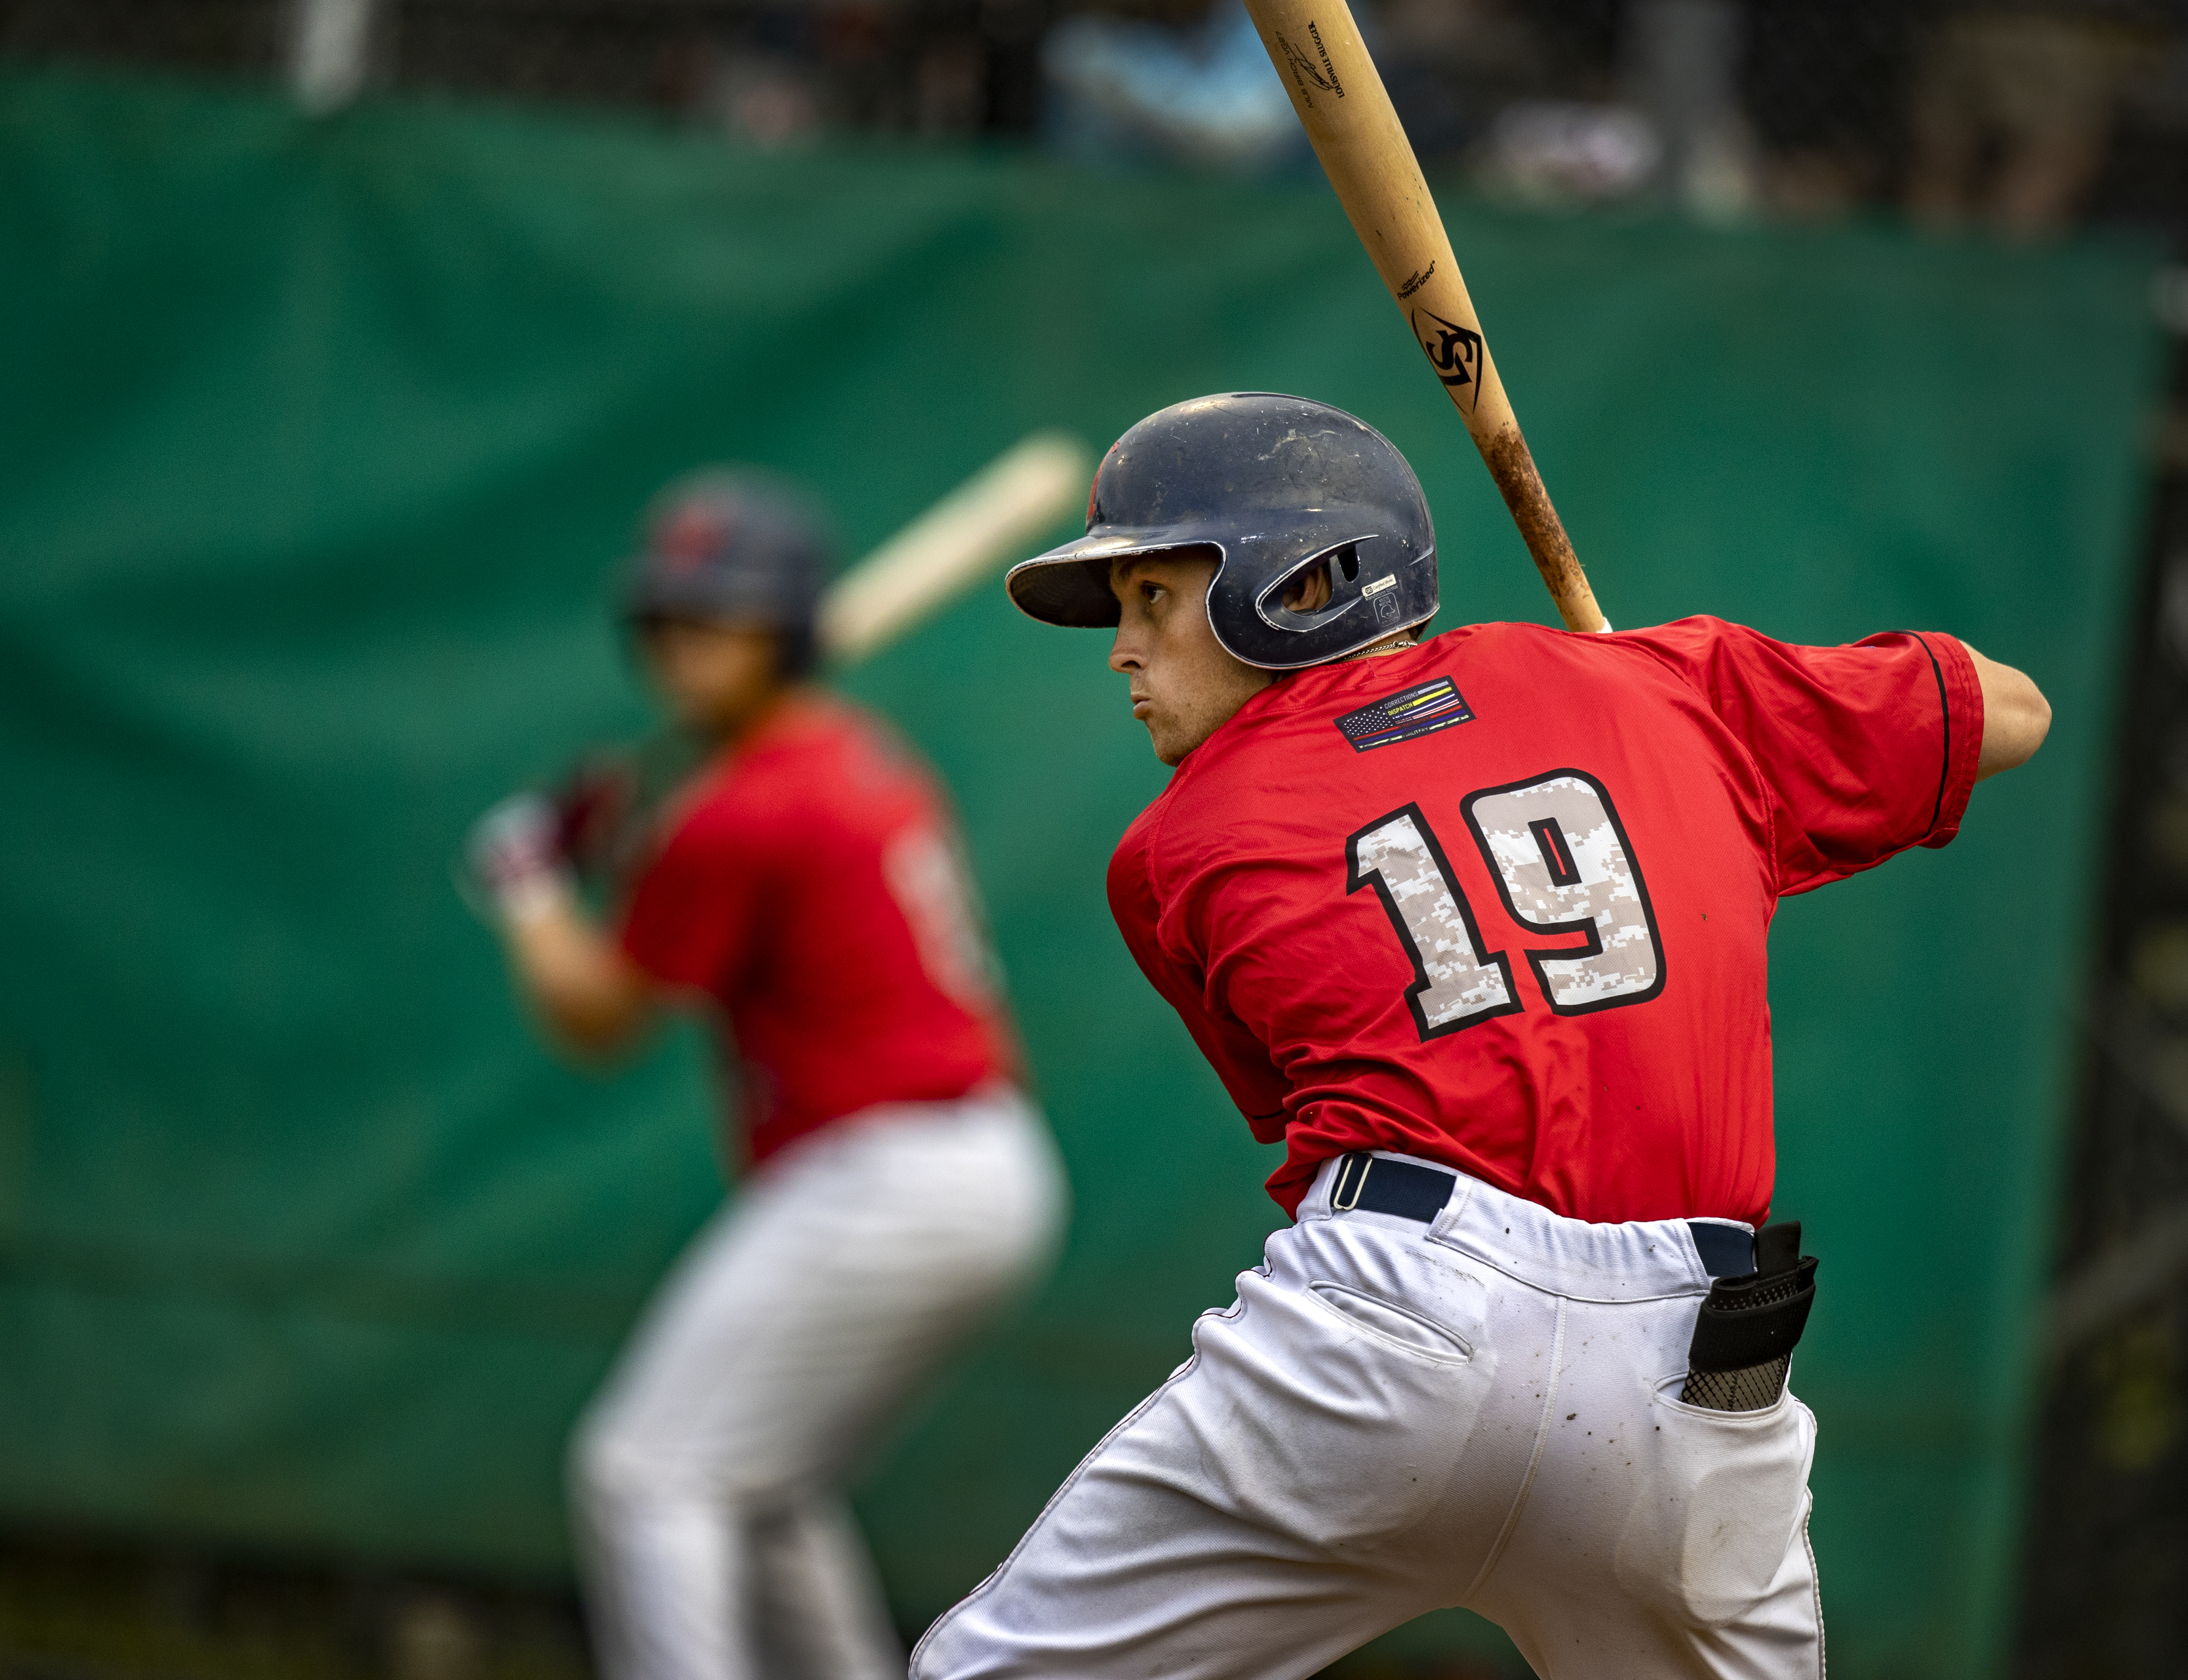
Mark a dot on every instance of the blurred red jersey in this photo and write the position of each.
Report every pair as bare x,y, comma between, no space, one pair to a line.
1501,901
810,883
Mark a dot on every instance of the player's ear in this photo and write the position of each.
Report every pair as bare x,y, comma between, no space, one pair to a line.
1309,592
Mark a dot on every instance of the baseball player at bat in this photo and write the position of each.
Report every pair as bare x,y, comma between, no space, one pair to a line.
803,887
1475,927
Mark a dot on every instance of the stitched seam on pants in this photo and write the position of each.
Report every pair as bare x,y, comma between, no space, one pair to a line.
1816,1592
1541,1439
1564,1291
1054,1500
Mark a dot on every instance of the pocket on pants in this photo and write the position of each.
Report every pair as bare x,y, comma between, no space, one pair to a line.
1721,1504
1400,1326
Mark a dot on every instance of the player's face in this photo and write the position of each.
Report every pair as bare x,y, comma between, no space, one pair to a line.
717,676
1185,687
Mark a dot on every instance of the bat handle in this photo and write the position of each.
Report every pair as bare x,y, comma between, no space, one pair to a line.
1504,451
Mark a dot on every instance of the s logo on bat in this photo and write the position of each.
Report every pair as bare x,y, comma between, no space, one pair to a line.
1455,351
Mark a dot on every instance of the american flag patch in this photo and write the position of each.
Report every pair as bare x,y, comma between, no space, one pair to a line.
1422,709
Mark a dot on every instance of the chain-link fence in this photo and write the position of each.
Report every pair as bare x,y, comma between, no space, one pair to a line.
2107,1535
771,72
2030,115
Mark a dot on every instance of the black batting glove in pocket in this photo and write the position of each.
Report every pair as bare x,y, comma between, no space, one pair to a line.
1745,1335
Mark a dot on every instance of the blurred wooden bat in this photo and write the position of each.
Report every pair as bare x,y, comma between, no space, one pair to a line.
606,804
954,545
1316,49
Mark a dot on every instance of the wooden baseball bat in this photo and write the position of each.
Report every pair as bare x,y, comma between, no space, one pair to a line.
1015,498
1316,49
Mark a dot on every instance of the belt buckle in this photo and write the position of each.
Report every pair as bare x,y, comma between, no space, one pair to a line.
1345,1180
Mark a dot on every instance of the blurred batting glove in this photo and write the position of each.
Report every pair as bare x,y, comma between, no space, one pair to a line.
514,855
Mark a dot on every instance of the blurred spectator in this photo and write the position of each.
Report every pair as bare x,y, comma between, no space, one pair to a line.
1190,83
1563,151
767,98
2013,108
781,72
1675,129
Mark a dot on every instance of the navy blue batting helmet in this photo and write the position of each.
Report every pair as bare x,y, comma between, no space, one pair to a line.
1277,486
730,544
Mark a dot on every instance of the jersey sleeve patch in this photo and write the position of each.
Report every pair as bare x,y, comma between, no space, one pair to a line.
1422,709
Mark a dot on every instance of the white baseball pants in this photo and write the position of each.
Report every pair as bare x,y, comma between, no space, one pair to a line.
714,1544
1397,1417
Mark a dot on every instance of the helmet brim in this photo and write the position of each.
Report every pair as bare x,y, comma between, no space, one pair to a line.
1069,585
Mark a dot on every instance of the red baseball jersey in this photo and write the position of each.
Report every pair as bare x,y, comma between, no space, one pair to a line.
810,882
1501,900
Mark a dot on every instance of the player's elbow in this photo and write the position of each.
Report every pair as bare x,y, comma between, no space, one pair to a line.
2016,717
586,995
594,1026
593,1005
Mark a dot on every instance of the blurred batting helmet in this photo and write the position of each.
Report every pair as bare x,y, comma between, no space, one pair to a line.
724,543
1277,486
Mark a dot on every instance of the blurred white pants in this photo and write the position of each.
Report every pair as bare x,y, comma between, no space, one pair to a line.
1397,1417
798,1323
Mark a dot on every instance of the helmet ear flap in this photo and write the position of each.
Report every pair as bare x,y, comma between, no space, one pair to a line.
1314,591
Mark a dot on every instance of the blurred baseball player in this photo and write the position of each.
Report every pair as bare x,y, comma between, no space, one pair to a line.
803,887
1476,926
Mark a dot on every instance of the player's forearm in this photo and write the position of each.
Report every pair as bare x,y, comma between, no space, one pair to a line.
2015,716
586,992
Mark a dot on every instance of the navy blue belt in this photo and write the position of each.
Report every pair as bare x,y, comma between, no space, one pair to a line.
1368,1183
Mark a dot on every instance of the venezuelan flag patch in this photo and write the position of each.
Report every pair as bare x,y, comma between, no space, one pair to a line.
1422,709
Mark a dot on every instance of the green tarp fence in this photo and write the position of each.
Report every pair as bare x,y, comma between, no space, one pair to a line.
317,440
